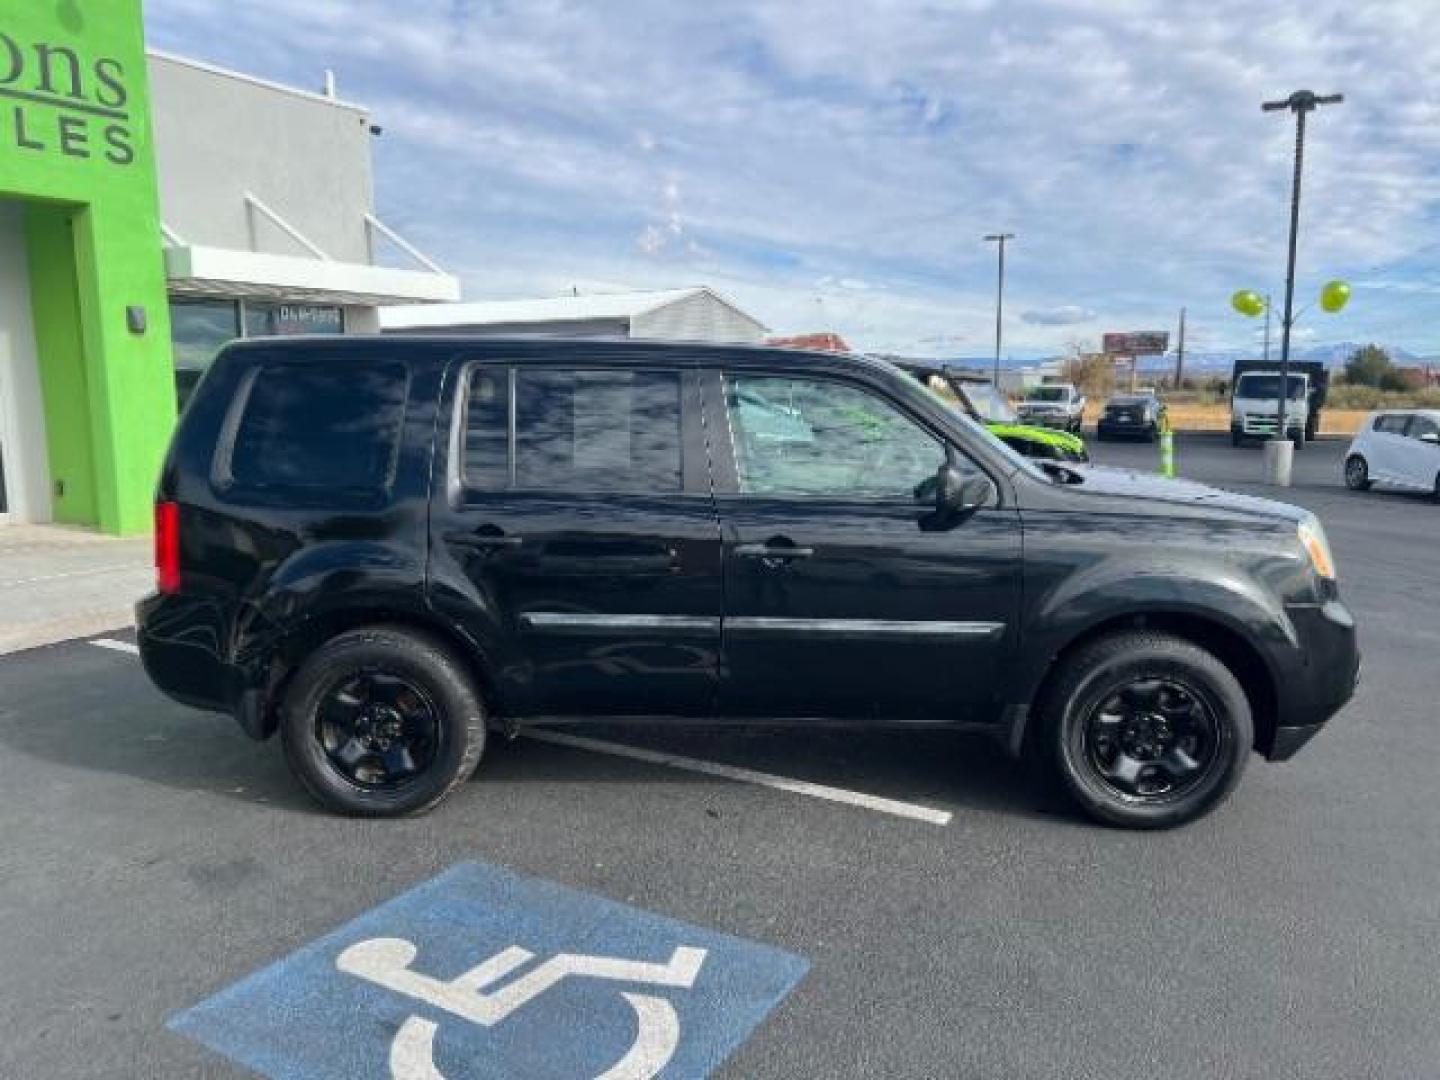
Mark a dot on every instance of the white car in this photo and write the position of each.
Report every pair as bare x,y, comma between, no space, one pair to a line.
1397,447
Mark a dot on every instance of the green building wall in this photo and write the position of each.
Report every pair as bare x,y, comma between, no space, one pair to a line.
76,146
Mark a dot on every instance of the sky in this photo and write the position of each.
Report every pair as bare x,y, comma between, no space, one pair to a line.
834,166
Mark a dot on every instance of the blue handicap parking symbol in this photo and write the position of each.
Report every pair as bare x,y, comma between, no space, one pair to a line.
484,973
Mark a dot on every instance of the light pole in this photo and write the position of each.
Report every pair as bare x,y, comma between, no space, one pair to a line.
1000,239
1301,103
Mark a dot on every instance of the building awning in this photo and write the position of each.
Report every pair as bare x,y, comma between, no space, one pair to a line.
209,271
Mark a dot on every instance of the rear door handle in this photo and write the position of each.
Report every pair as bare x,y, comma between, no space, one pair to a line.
483,541
773,551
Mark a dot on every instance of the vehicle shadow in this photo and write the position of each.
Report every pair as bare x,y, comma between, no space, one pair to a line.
97,717
938,769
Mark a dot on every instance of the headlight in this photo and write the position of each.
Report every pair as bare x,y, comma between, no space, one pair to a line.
1312,539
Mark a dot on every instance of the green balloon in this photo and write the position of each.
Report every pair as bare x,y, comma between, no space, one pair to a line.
1334,296
1248,303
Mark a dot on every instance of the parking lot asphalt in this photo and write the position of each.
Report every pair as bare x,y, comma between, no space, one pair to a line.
152,856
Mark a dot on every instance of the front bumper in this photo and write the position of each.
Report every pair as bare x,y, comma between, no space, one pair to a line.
1328,671
1046,420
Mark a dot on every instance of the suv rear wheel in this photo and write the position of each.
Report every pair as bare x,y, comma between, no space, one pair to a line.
380,722
1146,730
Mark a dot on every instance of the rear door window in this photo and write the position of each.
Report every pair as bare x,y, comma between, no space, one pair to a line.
560,429
317,428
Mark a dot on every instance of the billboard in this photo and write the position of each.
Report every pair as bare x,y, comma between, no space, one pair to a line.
1138,343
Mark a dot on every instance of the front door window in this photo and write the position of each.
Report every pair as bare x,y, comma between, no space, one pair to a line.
809,437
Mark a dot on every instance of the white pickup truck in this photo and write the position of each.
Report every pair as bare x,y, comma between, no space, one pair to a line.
1054,405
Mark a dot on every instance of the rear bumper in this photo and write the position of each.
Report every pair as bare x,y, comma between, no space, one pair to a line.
1327,673
181,647
1135,428
1060,423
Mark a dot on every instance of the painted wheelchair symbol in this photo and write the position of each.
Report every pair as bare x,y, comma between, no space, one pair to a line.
386,962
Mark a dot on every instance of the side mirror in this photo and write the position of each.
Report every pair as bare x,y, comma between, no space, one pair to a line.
958,494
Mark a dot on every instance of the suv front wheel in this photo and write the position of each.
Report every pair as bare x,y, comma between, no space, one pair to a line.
1146,730
380,722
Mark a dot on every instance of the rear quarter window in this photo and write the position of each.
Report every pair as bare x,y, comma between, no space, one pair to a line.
315,432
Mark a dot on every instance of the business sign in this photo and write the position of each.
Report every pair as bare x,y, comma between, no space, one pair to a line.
483,973
1137,343
58,101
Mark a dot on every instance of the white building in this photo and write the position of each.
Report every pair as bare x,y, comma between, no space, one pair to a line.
693,314
267,207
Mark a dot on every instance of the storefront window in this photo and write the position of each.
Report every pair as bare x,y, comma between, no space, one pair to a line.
262,320
201,327
198,329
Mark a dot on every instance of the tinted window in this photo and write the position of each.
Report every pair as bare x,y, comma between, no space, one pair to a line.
1392,424
487,428
1421,426
575,430
816,437
313,427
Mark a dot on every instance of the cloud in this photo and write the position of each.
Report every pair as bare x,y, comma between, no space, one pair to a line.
655,143
1065,315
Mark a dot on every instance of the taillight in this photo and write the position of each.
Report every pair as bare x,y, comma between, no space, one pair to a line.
167,547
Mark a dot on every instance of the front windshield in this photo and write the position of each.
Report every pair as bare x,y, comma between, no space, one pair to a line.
989,403
1268,386
1048,393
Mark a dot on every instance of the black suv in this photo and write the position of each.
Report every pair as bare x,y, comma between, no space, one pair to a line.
387,548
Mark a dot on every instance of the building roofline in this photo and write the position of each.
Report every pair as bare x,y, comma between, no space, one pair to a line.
255,80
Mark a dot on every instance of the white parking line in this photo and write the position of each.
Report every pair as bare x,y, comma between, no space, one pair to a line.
117,646
881,805
913,811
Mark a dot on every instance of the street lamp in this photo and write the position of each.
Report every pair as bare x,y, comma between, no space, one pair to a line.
1278,453
999,238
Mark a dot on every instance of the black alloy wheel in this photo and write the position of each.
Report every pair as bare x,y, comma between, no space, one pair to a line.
1144,729
382,721
1152,739
379,730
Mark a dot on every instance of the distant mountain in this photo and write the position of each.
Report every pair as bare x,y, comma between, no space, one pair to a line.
1333,356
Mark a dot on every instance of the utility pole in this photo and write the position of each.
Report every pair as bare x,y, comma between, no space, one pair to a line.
999,238
1301,103
1267,328
1180,352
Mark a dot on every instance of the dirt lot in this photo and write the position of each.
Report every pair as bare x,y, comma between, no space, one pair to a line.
1188,417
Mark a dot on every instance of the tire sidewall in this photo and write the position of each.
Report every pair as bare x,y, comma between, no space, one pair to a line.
1364,481
459,717
1203,676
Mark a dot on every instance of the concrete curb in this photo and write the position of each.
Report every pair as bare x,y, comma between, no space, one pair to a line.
56,631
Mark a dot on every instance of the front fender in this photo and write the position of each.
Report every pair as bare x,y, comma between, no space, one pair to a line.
1115,590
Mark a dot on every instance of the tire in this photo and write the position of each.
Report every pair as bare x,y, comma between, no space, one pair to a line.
434,712
1199,718
1298,438
1357,474
1237,438
1152,434
1437,487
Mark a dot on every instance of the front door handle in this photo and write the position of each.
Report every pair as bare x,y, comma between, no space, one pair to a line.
778,552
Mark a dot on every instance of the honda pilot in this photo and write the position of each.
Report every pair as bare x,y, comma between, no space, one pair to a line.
390,549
